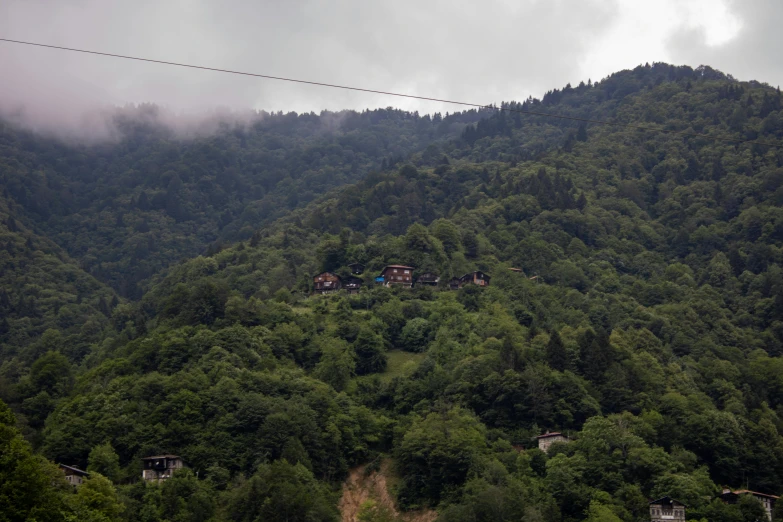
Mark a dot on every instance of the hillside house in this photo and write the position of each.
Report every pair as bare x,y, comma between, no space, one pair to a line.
454,283
326,282
356,268
352,284
477,278
768,501
397,275
161,467
73,475
428,279
667,509
547,439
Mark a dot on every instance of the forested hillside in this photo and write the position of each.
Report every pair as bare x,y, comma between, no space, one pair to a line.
646,323
130,207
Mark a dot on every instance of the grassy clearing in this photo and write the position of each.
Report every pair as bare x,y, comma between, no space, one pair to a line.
396,361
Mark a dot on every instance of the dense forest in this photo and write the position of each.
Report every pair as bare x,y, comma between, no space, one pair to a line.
127,210
644,320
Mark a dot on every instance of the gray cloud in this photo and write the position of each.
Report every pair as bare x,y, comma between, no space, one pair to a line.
475,51
753,54
481,52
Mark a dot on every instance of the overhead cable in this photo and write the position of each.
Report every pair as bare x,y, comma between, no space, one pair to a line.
400,95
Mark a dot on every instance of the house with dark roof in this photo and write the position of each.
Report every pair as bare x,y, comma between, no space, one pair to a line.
356,268
74,475
667,509
477,278
352,284
160,467
547,439
326,282
428,279
401,275
768,501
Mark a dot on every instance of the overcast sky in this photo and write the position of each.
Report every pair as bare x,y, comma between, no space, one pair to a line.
482,51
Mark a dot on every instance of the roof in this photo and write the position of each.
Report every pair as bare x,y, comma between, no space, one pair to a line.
355,264
162,457
548,435
74,469
667,500
474,273
326,273
515,269
749,492
398,266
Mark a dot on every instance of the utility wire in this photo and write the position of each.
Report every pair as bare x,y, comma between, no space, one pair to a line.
400,95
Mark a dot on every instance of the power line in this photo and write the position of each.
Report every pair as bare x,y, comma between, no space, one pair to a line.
400,95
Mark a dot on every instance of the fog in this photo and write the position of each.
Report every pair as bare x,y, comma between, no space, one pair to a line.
482,53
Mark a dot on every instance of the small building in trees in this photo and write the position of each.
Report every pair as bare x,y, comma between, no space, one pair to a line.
398,275
454,283
161,467
73,475
356,268
477,278
667,509
326,282
428,279
768,501
547,439
516,270
352,284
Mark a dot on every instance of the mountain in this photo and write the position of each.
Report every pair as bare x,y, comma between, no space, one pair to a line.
131,207
643,320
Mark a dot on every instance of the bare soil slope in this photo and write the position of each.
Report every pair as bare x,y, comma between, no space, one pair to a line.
360,487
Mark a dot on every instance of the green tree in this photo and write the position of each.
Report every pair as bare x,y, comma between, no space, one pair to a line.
96,500
29,485
370,352
415,335
184,497
281,492
105,461
436,452
556,354
337,364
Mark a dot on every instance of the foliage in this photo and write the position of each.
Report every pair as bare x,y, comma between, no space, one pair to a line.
642,317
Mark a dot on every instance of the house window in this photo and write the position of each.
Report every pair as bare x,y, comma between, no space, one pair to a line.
407,271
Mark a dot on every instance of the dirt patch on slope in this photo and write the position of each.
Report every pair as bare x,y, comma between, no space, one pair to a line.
360,487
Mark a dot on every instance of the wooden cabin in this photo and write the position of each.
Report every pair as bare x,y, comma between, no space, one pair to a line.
547,439
667,509
477,278
326,282
397,275
161,467
454,283
73,475
768,501
356,268
428,279
352,284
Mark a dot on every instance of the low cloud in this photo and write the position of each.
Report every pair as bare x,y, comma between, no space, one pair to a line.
479,52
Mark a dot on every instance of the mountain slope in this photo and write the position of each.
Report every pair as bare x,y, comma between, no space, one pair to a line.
128,209
645,324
